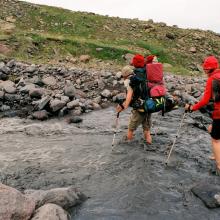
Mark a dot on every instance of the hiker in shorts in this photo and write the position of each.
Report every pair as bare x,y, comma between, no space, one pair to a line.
134,92
212,92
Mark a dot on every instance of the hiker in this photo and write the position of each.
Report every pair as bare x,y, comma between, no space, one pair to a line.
212,91
136,90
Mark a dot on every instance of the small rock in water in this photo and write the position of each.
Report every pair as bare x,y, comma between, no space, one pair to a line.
74,119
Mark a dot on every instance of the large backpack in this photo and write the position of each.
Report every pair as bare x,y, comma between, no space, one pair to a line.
149,89
154,76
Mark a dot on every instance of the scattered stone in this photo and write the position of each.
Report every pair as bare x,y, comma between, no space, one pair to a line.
40,115
64,197
57,104
106,93
74,119
73,104
49,81
69,89
36,93
50,212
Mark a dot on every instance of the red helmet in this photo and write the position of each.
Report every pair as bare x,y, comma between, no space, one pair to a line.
150,58
210,63
138,61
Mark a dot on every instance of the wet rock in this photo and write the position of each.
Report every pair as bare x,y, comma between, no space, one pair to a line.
74,119
208,193
57,104
40,115
14,205
50,212
64,197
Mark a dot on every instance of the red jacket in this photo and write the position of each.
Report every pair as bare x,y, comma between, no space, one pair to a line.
208,95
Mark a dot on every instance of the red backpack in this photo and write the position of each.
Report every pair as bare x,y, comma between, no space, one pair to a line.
154,72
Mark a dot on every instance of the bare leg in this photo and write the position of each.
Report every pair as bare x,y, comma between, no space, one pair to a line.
216,150
212,157
130,134
147,136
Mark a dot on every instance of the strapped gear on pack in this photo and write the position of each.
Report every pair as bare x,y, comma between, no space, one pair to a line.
154,73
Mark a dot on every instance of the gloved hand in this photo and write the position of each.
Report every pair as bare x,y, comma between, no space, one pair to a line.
188,108
119,108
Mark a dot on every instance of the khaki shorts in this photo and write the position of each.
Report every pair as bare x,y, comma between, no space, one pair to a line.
138,118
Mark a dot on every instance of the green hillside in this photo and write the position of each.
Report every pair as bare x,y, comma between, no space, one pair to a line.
43,34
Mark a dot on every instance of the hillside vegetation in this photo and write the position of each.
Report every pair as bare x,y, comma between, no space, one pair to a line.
43,34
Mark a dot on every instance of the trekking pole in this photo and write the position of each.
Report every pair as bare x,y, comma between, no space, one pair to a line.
116,127
177,135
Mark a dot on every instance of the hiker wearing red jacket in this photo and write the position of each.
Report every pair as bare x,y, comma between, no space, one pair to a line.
212,92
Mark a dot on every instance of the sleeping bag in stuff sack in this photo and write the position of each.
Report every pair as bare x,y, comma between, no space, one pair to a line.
154,75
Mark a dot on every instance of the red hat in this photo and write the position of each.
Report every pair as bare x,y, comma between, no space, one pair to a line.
210,63
138,61
150,58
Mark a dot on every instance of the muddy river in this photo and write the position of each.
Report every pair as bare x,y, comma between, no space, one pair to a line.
131,183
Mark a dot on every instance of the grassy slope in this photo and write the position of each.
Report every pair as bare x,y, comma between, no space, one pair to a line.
49,33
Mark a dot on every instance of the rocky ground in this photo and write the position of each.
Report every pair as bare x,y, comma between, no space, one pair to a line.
130,182
43,91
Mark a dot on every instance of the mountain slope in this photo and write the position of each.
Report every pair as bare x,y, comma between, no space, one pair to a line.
42,34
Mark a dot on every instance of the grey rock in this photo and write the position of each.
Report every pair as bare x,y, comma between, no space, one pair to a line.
31,69
27,88
36,93
56,104
65,99
3,76
14,205
64,197
2,94
106,93
5,108
73,104
69,89
49,81
42,102
4,68
40,115
12,97
74,119
208,193
50,212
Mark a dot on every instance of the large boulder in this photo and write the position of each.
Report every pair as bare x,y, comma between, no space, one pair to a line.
50,212
14,205
208,193
64,197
